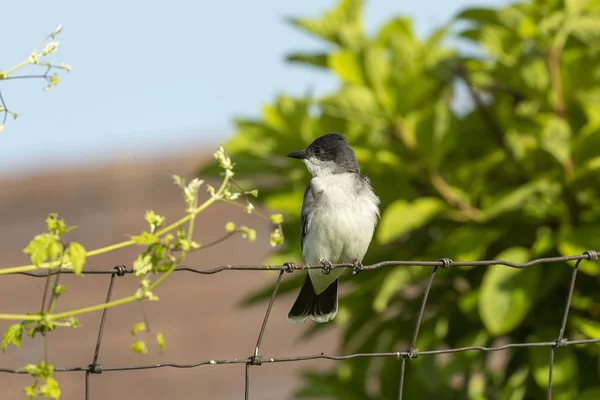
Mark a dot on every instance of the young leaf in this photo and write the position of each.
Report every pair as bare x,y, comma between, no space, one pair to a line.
139,347
50,389
77,256
142,265
139,327
58,290
161,341
41,247
13,335
401,217
145,238
394,282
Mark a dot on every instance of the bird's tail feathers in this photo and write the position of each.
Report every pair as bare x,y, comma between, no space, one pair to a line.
318,307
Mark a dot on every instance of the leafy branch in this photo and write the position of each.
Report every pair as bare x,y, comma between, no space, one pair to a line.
35,58
165,247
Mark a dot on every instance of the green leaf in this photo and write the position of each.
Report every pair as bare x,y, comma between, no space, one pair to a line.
318,60
564,372
30,369
145,238
142,265
549,25
288,202
506,293
354,104
480,15
575,240
535,74
588,327
50,389
587,29
515,386
544,241
58,290
13,335
397,29
161,341
556,138
42,247
154,220
347,65
77,256
42,370
527,28
137,328
576,6
139,347
517,199
392,284
55,225
402,217
342,25
55,249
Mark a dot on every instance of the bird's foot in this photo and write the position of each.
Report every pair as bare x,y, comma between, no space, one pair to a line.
327,266
357,267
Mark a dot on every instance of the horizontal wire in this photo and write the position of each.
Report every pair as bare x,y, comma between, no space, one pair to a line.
265,360
289,267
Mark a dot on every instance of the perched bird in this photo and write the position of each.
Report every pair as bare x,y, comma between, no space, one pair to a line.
338,218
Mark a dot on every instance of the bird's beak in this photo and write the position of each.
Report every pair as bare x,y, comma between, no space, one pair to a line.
300,155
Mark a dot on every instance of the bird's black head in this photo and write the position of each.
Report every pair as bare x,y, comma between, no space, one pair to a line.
328,154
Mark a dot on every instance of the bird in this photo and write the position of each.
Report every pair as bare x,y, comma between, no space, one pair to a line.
339,214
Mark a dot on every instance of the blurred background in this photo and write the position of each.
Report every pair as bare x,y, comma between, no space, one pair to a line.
476,121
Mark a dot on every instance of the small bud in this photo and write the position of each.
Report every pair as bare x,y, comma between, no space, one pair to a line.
179,181
276,237
50,48
276,219
230,227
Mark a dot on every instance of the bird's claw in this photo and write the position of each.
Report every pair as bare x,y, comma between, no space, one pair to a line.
327,266
357,267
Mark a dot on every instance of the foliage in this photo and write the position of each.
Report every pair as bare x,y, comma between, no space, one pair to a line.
164,248
513,177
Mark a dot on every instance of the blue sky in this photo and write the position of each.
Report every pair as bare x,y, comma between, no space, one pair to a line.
154,77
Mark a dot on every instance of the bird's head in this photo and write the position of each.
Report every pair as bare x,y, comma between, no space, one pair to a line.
328,154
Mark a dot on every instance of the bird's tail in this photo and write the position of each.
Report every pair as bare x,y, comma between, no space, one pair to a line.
319,307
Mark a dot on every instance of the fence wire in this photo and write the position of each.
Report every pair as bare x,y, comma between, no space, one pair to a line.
256,359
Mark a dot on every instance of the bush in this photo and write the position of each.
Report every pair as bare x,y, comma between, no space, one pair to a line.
514,177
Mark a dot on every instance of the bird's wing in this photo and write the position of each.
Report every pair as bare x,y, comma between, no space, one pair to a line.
368,182
305,216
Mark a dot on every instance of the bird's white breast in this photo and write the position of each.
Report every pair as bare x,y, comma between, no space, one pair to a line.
341,225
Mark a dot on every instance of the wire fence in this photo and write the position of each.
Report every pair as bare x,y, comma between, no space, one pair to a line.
256,359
